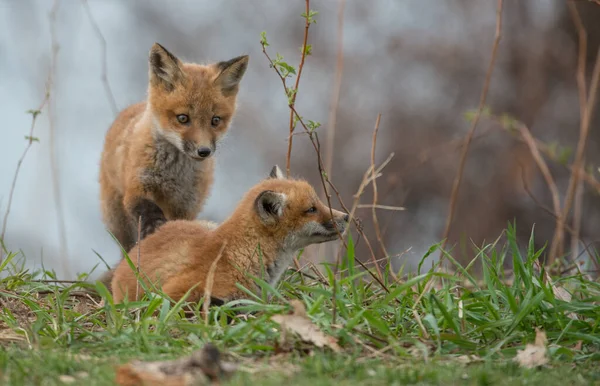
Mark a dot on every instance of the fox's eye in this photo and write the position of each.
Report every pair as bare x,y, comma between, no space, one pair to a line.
215,121
183,118
311,210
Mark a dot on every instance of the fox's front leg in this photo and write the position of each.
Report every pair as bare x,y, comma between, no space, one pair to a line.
138,203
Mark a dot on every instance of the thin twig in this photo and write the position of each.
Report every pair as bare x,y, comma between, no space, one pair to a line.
59,281
30,140
574,234
210,279
137,266
469,138
54,169
335,96
539,160
384,207
374,184
107,89
314,138
586,110
295,90
548,152
577,215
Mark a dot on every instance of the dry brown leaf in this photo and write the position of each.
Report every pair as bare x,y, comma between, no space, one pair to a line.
562,294
534,354
466,359
66,379
300,324
201,367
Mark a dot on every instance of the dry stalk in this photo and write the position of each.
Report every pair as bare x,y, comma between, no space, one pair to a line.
374,184
314,138
139,255
469,138
30,140
547,151
577,215
539,160
325,181
574,232
293,97
586,111
54,169
210,279
335,96
107,89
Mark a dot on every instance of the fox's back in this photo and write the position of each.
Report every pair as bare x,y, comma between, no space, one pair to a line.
164,255
118,141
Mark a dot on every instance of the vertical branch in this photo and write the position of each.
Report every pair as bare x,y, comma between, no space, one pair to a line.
586,111
30,140
469,138
54,169
576,225
139,256
107,89
295,90
210,279
328,249
539,160
374,207
335,96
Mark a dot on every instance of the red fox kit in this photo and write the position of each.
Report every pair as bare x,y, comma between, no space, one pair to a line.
279,215
157,160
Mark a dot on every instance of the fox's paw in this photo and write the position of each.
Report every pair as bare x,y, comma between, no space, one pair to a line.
152,217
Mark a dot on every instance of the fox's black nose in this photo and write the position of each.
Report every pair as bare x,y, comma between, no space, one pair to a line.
204,152
346,217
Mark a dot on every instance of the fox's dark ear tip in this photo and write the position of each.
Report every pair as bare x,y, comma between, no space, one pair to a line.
276,173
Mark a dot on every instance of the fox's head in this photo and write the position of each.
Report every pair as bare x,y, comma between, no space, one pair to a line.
192,105
290,211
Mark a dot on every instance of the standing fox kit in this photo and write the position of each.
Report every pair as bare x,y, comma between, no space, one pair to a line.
273,221
157,160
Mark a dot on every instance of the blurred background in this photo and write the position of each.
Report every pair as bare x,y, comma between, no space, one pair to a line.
421,65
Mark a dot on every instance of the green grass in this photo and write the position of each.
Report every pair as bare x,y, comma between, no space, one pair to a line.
397,335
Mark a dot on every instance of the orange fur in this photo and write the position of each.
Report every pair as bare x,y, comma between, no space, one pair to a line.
276,215
156,164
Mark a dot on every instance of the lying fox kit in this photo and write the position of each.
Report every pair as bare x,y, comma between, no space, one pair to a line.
157,160
278,215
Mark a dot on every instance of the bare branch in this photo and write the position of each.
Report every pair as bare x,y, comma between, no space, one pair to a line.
210,279
374,184
539,160
469,138
295,90
139,257
54,169
586,111
335,96
107,89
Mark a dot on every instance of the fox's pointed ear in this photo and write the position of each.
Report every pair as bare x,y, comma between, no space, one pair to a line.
165,68
231,73
276,173
269,206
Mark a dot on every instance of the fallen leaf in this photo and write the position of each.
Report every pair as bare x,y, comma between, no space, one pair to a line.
534,354
299,323
560,293
466,359
202,367
66,379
